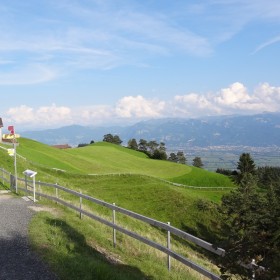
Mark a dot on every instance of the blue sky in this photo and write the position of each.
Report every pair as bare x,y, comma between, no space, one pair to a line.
98,62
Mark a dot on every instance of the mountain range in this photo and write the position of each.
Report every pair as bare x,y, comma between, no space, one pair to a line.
261,130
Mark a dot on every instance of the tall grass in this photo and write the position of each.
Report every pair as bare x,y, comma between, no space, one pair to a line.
83,249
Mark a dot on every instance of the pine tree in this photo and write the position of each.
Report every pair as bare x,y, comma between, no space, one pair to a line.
197,162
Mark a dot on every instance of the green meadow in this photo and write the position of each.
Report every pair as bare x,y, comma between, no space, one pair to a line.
133,181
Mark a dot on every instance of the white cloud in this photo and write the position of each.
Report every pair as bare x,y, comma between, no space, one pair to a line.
191,105
139,107
46,116
235,99
233,96
21,114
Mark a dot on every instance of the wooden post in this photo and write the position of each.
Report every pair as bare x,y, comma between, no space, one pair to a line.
81,201
168,247
114,230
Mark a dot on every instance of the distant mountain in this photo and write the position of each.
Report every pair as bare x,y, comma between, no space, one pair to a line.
261,130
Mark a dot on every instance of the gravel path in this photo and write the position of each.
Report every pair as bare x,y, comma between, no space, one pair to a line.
17,261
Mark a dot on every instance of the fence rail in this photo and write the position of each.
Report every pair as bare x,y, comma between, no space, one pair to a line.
30,188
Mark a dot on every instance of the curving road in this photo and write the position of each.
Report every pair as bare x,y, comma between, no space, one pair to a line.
17,261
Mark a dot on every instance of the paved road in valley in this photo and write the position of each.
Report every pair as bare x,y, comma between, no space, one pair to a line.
17,261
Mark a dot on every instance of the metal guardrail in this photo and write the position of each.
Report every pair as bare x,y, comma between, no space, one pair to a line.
7,177
170,229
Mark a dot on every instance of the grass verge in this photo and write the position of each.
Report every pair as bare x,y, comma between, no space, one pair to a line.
82,249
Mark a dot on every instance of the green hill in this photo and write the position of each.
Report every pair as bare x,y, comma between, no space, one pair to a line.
106,158
129,179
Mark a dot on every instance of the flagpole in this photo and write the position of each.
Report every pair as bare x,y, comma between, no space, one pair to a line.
1,125
15,163
15,159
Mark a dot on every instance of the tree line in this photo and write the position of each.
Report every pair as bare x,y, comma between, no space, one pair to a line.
153,150
250,226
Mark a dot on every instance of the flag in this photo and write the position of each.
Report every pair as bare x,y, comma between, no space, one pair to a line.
11,129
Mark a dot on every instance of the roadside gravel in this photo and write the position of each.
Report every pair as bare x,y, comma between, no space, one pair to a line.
17,261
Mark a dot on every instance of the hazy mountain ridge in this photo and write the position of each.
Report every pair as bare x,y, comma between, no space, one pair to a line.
261,130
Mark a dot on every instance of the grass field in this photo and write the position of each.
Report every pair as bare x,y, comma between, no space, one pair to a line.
131,180
105,158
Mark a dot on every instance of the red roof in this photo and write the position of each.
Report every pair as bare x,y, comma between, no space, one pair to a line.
63,146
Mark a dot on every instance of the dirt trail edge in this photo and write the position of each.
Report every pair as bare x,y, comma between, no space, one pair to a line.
17,261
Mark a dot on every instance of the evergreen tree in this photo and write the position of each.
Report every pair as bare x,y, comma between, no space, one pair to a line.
112,139
142,146
132,144
108,138
172,157
117,140
245,166
158,154
197,162
152,146
251,228
181,157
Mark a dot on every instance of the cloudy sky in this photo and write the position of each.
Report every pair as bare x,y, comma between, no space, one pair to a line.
100,62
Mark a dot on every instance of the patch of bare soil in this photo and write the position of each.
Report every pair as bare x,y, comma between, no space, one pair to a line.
113,259
43,208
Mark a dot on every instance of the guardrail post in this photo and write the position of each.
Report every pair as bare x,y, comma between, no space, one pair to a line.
114,222
168,247
39,189
56,191
81,201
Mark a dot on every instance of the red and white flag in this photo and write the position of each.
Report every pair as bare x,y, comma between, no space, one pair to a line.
11,129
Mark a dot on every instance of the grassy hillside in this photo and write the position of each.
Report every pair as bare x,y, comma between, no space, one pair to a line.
106,158
129,179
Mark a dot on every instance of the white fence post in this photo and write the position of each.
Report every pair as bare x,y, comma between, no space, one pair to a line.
114,230
168,247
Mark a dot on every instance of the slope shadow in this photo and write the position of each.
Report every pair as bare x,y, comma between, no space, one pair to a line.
84,262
